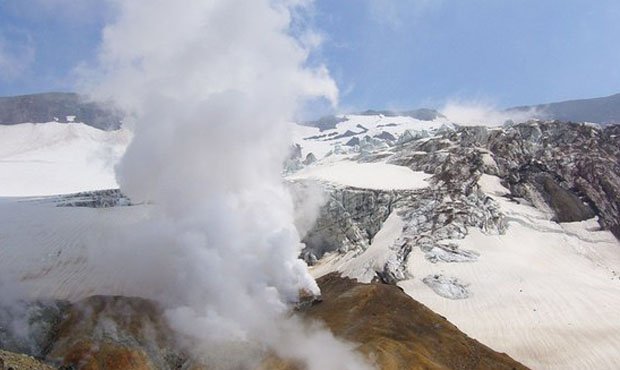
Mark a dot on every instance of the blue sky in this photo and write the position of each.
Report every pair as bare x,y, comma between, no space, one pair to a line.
383,53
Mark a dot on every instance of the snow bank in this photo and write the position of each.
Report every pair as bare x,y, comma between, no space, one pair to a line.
375,176
545,293
58,158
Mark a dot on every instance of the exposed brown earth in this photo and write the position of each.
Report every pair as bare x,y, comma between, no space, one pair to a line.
104,332
398,332
392,331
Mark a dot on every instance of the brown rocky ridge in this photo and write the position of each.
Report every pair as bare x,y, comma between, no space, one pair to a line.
390,329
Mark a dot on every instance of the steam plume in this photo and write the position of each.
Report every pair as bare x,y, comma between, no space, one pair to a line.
480,113
211,86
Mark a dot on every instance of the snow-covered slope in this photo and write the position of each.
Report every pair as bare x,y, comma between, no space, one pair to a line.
481,244
357,127
545,293
68,252
465,219
56,158
376,176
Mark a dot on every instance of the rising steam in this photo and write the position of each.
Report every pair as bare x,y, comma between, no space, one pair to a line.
210,86
481,113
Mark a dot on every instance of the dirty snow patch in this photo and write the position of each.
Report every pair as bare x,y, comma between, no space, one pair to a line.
447,287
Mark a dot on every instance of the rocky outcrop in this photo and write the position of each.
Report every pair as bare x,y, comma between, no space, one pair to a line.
89,199
293,161
325,123
99,332
575,168
539,184
30,327
572,169
348,221
103,332
93,199
310,158
19,361
452,204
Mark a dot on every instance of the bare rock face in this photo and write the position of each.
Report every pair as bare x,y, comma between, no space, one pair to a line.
348,221
566,205
574,167
18,361
30,327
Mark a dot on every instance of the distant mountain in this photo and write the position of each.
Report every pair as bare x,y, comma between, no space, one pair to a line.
423,114
324,123
330,122
60,107
598,110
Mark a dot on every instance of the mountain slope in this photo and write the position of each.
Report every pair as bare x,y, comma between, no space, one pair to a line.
57,158
388,327
505,231
510,239
57,107
398,331
597,110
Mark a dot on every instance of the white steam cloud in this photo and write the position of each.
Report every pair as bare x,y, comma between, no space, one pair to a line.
211,86
479,113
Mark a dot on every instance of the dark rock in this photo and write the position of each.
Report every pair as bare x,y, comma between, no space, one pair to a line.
310,158
385,136
293,161
579,159
31,327
104,332
325,123
347,133
348,221
573,168
423,114
353,142
566,204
